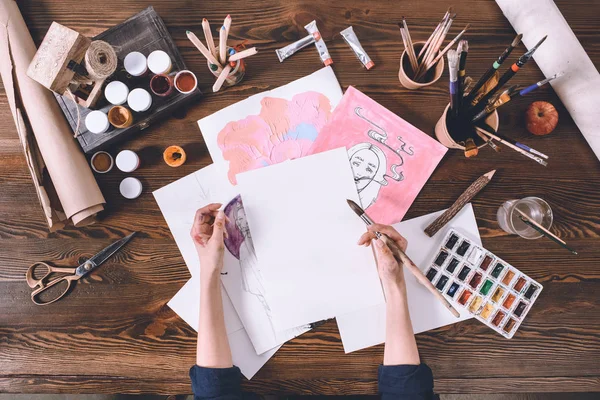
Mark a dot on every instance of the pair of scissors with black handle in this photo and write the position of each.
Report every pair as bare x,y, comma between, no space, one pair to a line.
72,274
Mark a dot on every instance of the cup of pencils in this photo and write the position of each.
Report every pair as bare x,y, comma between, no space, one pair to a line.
226,63
422,63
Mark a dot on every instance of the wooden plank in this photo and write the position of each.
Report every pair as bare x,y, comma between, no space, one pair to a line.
123,337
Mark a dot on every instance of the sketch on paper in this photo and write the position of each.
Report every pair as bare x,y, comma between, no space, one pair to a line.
283,130
239,243
391,159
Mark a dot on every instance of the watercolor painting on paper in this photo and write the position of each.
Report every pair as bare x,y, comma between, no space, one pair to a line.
273,126
390,158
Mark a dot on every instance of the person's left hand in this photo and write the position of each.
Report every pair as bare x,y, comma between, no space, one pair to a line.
207,232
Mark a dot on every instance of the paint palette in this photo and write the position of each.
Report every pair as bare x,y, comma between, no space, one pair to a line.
489,288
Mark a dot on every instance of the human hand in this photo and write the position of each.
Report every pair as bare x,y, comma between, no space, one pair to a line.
207,233
390,272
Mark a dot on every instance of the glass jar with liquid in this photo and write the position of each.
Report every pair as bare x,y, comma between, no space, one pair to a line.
535,208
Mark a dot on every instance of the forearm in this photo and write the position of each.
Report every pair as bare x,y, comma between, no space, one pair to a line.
400,343
213,346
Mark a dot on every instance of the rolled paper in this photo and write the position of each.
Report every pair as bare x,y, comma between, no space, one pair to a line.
47,139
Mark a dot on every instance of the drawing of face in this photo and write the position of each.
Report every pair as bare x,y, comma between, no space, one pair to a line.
241,221
365,164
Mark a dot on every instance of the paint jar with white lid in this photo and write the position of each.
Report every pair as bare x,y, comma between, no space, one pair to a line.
139,100
116,93
135,64
127,161
97,122
130,188
159,62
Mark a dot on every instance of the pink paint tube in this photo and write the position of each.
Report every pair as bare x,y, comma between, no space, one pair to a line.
320,43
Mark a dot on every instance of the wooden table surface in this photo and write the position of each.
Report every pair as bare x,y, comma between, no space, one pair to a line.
114,333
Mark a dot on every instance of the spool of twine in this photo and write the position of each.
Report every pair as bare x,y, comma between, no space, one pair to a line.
100,60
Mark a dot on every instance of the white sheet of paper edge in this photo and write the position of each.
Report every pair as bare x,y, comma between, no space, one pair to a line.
305,238
322,81
186,303
579,88
366,328
178,203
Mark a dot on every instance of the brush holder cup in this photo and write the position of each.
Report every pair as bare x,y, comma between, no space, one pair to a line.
406,74
235,75
443,128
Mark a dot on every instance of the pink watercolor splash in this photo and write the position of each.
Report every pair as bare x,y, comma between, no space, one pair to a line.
284,130
390,158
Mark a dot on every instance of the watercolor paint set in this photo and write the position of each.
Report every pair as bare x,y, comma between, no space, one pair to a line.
487,287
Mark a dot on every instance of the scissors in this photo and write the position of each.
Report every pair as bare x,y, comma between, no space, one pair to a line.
73,274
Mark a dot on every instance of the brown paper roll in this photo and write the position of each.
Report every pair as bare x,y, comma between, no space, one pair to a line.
51,146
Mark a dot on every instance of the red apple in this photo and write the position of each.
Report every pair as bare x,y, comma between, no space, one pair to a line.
541,118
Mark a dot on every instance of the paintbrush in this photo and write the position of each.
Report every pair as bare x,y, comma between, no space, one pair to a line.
446,49
403,259
411,47
489,141
463,51
453,71
545,232
435,32
516,148
488,74
435,44
509,94
510,72
410,50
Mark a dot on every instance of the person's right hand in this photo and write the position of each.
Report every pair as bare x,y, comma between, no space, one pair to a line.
390,272
207,233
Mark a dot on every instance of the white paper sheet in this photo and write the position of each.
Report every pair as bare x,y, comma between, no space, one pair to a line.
579,88
272,126
366,328
305,239
186,303
178,202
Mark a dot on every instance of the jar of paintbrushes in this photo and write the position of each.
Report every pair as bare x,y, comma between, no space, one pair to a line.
470,121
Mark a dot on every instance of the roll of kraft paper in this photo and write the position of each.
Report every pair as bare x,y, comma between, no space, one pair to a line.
579,88
48,143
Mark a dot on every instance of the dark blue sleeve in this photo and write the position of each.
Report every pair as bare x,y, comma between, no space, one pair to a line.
410,382
216,383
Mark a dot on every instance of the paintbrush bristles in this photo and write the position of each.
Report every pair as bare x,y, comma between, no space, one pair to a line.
516,40
463,46
453,65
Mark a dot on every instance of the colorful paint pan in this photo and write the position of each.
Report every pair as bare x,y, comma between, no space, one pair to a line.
483,284
486,311
485,264
497,270
451,267
508,277
485,288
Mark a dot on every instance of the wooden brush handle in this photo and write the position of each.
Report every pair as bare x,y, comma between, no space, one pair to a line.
403,259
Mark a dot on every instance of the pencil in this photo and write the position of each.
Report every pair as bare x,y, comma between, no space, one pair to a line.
545,232
222,45
243,54
209,37
221,78
404,260
205,52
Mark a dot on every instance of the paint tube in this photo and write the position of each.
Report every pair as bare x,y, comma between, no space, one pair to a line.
320,43
350,38
292,48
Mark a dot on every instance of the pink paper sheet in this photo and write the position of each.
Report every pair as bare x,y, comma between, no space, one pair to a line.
390,158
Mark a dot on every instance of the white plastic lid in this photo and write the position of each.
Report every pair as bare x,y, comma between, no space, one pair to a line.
116,93
135,63
139,100
127,161
130,188
159,62
97,122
